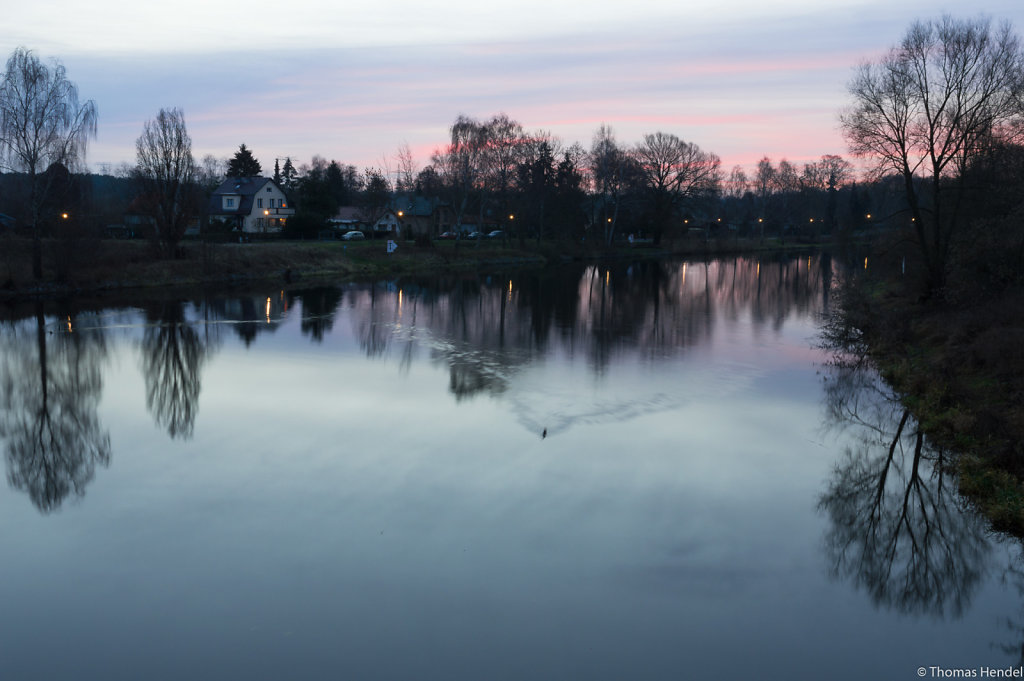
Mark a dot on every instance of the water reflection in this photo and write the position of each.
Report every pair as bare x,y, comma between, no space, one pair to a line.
319,306
897,527
173,354
486,330
49,395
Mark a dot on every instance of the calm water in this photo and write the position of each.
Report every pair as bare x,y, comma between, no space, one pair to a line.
639,471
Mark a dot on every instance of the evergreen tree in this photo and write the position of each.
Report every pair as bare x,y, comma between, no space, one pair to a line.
244,164
288,174
277,172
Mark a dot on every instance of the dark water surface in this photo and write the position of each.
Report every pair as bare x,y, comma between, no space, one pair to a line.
642,471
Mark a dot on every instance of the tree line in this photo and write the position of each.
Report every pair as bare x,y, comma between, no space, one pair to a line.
937,119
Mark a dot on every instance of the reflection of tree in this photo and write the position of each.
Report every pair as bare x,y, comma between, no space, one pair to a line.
896,527
318,308
49,399
172,358
1013,575
485,327
249,316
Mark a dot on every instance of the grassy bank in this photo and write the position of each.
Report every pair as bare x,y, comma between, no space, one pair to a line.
960,371
74,267
115,265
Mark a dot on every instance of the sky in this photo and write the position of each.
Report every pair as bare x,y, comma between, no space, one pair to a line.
353,82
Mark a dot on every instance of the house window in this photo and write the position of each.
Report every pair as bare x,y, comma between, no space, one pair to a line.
229,202
259,203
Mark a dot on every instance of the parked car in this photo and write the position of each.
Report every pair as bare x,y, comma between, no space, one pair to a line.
446,235
496,234
475,235
354,235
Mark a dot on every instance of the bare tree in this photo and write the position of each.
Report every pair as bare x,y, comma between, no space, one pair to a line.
407,170
823,178
926,109
763,188
503,151
461,162
675,172
608,162
167,171
42,123
211,171
738,184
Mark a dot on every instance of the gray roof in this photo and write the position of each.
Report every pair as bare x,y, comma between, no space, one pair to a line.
245,188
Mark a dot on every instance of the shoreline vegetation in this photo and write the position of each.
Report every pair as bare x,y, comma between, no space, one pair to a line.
959,370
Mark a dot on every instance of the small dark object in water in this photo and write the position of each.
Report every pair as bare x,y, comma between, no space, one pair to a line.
544,434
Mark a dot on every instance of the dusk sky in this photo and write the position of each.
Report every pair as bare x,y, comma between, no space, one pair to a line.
354,81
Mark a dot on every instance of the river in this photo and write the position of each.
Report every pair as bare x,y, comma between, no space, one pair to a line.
642,470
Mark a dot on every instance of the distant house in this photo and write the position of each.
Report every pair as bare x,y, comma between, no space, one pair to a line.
388,223
419,215
353,217
348,218
251,204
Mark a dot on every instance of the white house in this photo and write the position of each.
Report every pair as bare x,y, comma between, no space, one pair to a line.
251,204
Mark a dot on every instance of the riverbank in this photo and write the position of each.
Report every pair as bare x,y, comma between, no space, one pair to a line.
960,371
114,265
75,268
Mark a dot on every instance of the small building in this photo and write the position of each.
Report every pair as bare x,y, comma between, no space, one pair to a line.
420,215
254,205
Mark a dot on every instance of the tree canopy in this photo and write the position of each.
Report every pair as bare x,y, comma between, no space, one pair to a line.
42,123
942,97
167,171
